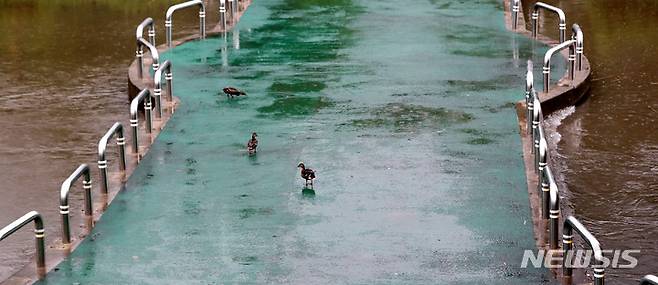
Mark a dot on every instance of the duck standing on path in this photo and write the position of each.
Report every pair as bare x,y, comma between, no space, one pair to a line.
232,92
308,175
252,144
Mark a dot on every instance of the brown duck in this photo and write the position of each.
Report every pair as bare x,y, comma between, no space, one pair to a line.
308,174
252,144
232,92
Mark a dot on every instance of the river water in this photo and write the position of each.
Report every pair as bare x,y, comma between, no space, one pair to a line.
63,82
608,152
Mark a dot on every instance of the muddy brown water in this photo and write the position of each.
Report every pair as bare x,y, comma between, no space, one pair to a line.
608,151
63,84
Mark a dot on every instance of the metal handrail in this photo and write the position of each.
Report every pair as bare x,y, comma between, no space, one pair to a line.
39,234
141,42
554,207
139,33
117,128
233,7
83,169
562,26
174,8
649,280
516,4
539,136
157,89
144,95
536,120
529,95
547,61
542,154
571,224
222,15
577,34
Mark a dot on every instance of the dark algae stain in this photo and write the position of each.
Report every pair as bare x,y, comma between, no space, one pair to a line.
297,86
295,106
408,117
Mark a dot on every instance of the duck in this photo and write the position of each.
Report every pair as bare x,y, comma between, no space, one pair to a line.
252,144
232,92
308,174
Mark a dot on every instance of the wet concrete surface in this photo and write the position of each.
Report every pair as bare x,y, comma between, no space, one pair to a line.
398,120
63,82
606,147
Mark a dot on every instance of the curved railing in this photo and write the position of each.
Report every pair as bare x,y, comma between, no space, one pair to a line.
143,96
562,26
157,83
141,42
139,53
649,280
571,44
174,8
571,224
83,169
117,128
39,234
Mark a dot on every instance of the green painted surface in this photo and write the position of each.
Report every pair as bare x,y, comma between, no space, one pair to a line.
405,110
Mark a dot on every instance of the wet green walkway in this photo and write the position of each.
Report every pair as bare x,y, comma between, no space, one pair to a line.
405,110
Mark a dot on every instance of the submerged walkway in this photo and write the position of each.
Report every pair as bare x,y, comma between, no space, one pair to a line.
406,112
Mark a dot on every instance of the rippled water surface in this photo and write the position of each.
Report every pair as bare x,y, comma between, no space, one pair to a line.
62,84
608,153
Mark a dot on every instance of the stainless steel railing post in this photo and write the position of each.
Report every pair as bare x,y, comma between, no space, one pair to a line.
153,50
531,110
554,206
577,34
139,33
536,111
116,129
562,26
515,13
157,89
571,224
539,135
174,8
543,184
146,97
222,15
39,234
572,62
83,169
529,89
234,14
649,280
547,61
